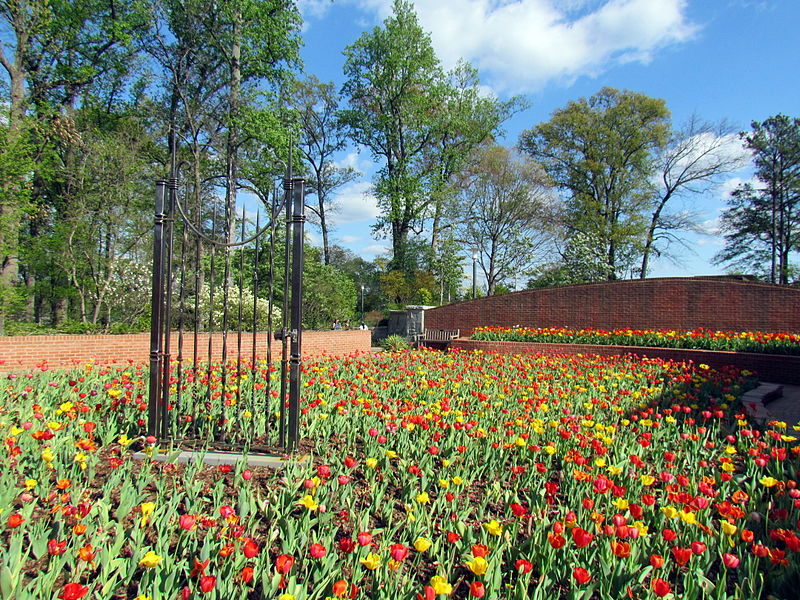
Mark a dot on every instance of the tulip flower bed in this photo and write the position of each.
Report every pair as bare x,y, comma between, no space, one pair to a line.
694,339
429,475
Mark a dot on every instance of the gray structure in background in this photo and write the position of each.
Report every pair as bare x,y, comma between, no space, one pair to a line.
408,323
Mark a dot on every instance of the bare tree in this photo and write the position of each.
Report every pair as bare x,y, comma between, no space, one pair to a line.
505,207
696,158
321,136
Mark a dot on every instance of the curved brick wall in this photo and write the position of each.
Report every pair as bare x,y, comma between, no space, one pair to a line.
669,303
768,367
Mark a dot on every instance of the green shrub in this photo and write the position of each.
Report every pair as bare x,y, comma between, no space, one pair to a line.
394,343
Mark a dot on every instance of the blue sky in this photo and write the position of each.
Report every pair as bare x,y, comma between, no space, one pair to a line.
717,59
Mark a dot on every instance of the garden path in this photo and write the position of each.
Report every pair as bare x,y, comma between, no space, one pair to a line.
787,407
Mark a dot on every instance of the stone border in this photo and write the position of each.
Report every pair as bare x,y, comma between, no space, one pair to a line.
222,458
755,401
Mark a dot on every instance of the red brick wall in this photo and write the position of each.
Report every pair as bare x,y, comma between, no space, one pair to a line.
768,367
669,303
20,352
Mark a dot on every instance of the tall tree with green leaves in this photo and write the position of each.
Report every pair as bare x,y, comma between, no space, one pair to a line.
599,151
469,118
395,89
762,221
57,50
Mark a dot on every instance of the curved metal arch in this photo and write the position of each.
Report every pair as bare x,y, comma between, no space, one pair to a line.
187,221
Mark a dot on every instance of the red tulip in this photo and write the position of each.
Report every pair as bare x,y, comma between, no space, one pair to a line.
660,587
55,548
398,552
284,563
556,540
347,545
250,549
73,591
480,550
581,575
581,537
698,548
317,550
199,567
453,537
187,522
657,561
247,574
15,520
477,589
364,538
523,566
207,583
730,560
682,555
518,509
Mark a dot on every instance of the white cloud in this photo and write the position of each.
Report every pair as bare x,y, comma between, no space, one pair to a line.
355,204
725,188
709,148
313,8
355,160
373,251
523,45
710,227
312,237
349,240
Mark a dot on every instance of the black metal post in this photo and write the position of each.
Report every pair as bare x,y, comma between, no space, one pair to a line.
169,221
157,303
285,333
298,220
474,273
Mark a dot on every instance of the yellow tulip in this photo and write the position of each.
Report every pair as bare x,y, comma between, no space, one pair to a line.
150,560
308,502
477,565
493,527
440,585
728,528
372,561
669,511
422,544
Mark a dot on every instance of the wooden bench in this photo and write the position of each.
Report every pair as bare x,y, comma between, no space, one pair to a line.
437,336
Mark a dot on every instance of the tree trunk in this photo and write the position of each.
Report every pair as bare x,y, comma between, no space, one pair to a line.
232,143
326,248
10,214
